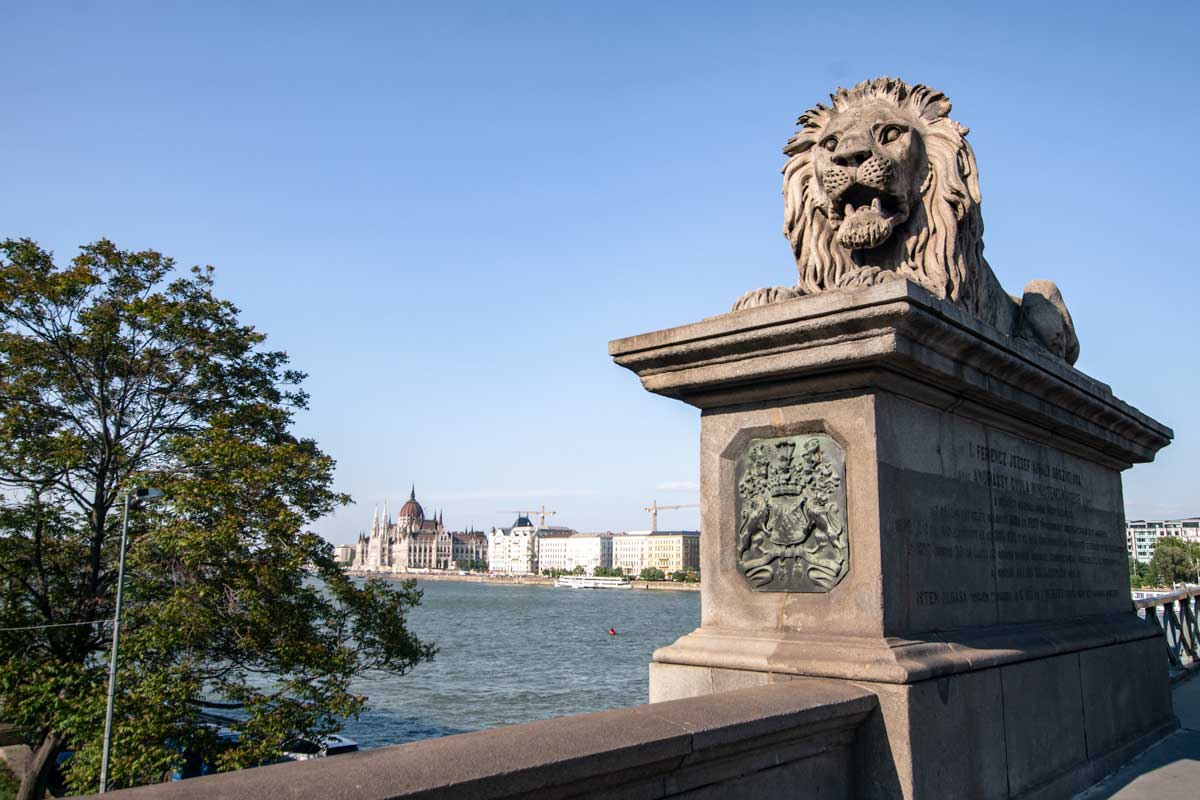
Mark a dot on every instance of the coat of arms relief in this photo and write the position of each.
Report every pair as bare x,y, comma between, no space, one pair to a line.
791,511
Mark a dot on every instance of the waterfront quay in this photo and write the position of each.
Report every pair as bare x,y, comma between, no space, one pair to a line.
516,580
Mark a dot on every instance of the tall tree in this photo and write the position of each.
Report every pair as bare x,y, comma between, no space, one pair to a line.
116,372
1174,561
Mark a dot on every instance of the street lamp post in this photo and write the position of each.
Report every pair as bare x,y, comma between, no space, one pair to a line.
140,494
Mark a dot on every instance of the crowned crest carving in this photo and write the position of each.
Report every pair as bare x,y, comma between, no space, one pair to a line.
791,511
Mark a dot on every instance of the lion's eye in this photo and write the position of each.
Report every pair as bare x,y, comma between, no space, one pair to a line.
830,144
890,134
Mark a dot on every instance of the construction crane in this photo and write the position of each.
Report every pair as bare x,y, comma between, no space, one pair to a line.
541,512
654,508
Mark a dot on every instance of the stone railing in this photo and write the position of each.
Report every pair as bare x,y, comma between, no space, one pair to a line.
762,742
1175,615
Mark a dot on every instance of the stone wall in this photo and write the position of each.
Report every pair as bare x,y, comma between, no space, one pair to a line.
760,743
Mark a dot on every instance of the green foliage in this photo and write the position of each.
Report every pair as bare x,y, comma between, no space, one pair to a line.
114,375
685,576
8,783
609,572
1174,561
652,574
1139,574
578,569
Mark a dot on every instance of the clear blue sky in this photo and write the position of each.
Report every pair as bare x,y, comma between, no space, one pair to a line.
444,211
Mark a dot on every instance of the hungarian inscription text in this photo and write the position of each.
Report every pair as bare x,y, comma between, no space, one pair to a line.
1017,532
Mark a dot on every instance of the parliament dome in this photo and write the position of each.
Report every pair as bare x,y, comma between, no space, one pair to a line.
411,508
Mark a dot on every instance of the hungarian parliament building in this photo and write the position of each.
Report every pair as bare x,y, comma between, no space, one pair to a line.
412,543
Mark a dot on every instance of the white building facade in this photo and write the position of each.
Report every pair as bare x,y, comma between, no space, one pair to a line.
669,551
552,552
629,551
566,550
513,550
528,549
673,551
1142,535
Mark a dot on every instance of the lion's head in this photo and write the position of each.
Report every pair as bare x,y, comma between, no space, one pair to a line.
883,184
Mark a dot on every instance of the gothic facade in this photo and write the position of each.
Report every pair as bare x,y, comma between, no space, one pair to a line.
412,542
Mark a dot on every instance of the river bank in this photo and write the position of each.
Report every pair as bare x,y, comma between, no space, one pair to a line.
472,577
667,586
523,580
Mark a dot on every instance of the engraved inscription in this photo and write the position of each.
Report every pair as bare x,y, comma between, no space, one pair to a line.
791,511
1020,532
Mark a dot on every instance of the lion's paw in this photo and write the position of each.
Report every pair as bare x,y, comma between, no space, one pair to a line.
762,297
1045,319
866,276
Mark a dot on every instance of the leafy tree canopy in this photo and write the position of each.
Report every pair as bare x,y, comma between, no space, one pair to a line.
1174,561
118,372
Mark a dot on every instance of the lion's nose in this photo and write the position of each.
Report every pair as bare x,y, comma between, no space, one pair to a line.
851,156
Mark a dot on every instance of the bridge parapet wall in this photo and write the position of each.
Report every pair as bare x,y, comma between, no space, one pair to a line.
762,742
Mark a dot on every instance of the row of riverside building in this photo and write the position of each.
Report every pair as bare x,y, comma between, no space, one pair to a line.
1142,534
411,543
525,549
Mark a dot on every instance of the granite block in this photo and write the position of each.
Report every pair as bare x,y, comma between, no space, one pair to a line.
1042,720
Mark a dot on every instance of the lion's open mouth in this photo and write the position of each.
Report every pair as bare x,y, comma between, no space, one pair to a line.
865,217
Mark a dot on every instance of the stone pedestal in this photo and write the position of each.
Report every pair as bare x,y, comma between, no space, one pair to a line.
973,483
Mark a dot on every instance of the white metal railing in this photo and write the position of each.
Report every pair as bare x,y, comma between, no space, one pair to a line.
1175,613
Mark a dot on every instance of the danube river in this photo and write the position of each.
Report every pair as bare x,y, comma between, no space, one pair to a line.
511,653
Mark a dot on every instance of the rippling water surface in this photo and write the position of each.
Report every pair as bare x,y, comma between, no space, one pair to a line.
514,653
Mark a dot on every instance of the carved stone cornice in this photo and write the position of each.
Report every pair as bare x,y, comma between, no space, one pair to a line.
895,336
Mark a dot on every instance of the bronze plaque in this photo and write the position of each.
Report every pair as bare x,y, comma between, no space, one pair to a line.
791,512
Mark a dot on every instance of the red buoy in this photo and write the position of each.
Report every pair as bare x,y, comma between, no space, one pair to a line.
612,631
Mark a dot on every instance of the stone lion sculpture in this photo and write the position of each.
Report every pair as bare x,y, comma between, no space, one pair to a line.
882,185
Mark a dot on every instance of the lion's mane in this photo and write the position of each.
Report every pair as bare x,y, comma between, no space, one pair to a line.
941,243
